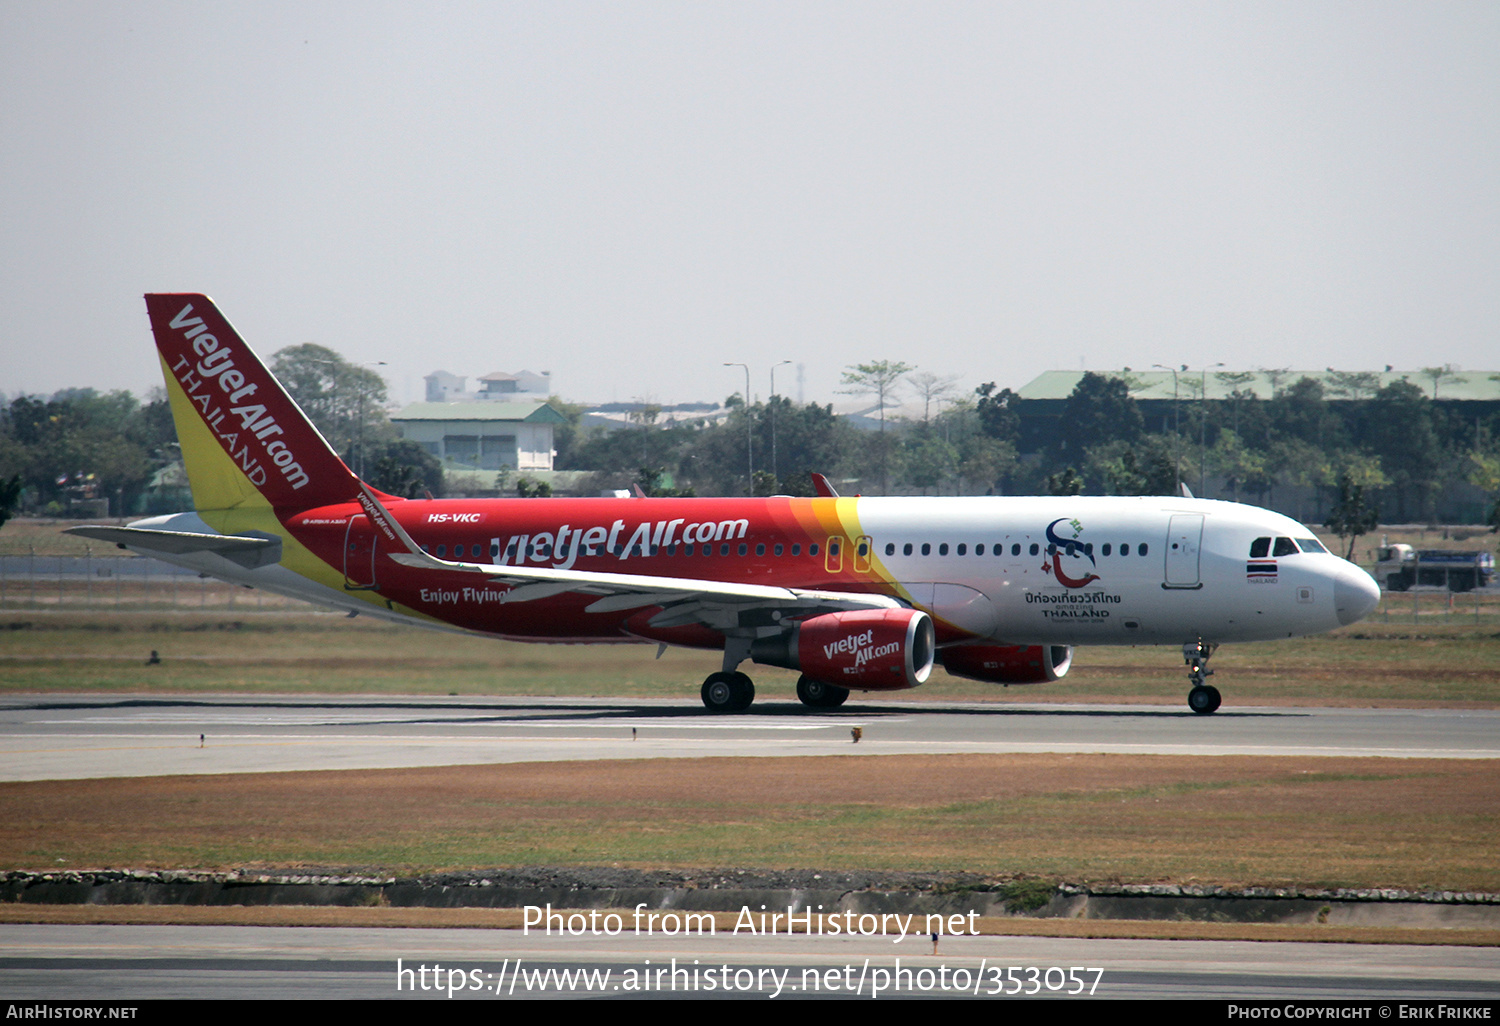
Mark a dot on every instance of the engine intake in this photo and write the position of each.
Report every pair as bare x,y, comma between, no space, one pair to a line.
1008,664
866,649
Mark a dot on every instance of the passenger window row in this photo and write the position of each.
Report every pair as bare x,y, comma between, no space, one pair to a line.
1033,549
1258,549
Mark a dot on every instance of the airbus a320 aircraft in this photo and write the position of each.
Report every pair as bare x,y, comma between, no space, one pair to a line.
854,593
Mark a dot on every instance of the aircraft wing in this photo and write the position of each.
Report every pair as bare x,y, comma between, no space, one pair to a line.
684,600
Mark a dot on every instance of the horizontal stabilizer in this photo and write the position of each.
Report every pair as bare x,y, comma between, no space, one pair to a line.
248,551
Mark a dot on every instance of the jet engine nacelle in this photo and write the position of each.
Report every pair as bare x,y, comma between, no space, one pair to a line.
1008,664
865,649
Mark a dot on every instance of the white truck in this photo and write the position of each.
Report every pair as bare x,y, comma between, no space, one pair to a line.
1399,567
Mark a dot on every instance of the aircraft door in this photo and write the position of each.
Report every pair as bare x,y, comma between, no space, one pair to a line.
833,555
359,554
864,548
1184,544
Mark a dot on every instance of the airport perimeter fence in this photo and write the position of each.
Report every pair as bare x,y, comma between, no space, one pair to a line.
124,583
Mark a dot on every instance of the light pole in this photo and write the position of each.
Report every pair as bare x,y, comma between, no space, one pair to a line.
1176,426
1203,427
749,445
772,403
359,441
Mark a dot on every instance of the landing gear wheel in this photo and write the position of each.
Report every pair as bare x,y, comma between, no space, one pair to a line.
816,695
728,692
1203,699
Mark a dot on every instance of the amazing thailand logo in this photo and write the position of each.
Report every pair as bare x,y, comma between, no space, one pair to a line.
1060,548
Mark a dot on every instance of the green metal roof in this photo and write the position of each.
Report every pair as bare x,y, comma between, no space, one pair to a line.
481,410
1479,385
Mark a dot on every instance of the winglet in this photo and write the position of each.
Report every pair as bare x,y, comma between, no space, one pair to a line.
822,488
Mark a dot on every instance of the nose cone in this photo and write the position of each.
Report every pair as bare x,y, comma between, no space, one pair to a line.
1355,594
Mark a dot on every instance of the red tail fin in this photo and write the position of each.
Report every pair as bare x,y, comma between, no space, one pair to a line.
258,434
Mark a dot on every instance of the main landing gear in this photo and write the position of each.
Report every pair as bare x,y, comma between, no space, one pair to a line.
728,692
1203,698
817,695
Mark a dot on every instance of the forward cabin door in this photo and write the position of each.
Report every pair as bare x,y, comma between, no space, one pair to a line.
1184,544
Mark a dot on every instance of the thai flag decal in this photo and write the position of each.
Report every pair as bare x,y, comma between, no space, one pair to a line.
1262,570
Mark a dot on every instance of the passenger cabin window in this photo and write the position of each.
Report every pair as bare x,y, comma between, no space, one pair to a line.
1284,547
1035,548
1260,548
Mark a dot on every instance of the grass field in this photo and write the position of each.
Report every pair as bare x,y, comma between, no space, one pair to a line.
1440,661
1416,824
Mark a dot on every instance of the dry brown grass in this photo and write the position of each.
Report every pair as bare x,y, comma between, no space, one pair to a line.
1395,665
1416,824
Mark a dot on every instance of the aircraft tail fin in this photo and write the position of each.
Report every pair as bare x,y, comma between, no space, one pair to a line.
244,439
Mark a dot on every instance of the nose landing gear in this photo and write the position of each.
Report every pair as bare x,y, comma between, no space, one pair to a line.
1203,698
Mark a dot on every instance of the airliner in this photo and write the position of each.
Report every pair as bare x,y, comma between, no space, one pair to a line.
854,593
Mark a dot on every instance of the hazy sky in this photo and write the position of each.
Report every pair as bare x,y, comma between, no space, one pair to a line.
629,194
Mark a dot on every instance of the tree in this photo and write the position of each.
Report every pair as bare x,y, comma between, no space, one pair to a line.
1399,428
1065,482
1099,410
403,467
346,402
998,413
881,380
1447,372
929,460
1353,385
932,388
1351,515
985,461
1146,468
10,497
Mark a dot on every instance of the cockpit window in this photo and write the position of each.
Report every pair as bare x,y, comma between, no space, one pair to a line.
1285,547
1310,545
1260,548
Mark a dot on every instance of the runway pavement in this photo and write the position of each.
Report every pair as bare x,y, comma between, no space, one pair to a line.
121,963
78,736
